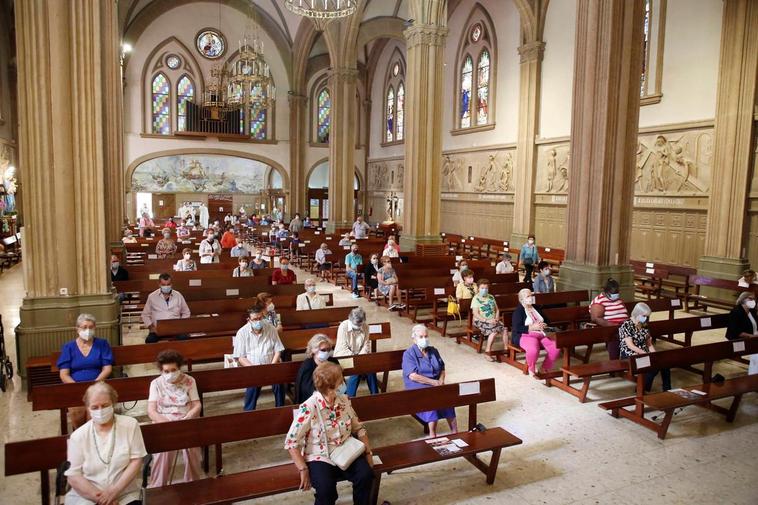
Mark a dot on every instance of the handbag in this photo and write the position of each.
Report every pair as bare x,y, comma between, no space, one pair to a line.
343,455
452,307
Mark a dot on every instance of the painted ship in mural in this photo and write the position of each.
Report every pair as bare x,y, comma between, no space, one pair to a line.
200,174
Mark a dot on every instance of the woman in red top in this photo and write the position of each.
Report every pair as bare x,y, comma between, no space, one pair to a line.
283,274
228,240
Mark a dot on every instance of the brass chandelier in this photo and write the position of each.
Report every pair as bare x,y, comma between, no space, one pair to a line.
320,12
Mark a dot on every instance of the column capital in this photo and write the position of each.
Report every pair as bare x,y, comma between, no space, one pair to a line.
431,35
349,74
295,98
532,51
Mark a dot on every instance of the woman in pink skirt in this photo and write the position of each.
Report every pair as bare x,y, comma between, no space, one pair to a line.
528,332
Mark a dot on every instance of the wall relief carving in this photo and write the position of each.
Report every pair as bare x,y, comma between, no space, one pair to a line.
478,172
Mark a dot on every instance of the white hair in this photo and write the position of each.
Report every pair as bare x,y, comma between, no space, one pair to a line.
641,309
85,317
744,296
417,329
523,295
315,342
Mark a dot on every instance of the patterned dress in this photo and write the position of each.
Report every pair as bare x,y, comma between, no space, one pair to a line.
639,337
488,309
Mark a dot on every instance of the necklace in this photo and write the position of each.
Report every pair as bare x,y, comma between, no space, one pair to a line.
113,444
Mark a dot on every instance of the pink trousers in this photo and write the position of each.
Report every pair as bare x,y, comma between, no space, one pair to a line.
531,343
163,466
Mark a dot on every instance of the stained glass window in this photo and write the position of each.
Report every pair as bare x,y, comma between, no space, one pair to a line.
161,105
173,61
210,44
400,112
390,125
324,113
185,92
483,88
476,33
645,48
466,78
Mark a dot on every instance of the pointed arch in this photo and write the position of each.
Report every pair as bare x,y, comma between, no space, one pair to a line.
393,127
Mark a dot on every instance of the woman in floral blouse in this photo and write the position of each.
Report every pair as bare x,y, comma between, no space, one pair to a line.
635,338
487,316
305,440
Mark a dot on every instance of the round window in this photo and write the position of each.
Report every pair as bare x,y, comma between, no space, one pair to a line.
210,44
173,62
476,32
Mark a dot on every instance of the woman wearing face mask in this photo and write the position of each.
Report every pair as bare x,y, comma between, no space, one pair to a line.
166,247
371,275
324,266
258,262
173,397
353,338
85,359
319,350
743,324
458,275
243,270
635,338
390,251
267,300
310,300
528,256
422,368
308,432
487,317
105,453
186,264
387,278
608,309
210,249
528,331
544,282
466,289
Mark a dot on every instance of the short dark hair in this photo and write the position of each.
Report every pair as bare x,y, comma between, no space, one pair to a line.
484,281
170,356
467,273
611,286
542,264
165,276
257,308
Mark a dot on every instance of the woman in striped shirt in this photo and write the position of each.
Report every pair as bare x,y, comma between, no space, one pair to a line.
608,309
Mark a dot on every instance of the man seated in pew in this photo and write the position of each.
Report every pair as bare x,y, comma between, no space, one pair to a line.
608,309
310,300
105,454
166,247
353,338
267,301
308,432
352,260
748,278
118,273
163,303
183,230
486,317
128,237
422,368
635,339
543,282
173,397
528,332
466,289
283,274
86,358
243,268
742,324
186,264
319,350
258,343
210,249
458,274
239,250
371,276
360,228
387,283
345,240
320,256
505,266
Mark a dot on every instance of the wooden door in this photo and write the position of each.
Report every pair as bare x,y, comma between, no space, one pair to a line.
218,206
164,207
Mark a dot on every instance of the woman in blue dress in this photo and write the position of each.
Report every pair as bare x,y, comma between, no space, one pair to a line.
422,368
86,358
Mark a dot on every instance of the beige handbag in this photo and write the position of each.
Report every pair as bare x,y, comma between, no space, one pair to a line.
343,455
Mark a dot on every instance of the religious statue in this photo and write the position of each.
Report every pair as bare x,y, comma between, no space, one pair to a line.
562,176
449,173
557,173
204,215
487,178
505,173
552,169
661,162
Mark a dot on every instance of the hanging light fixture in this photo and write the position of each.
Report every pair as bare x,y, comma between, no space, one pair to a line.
250,83
320,12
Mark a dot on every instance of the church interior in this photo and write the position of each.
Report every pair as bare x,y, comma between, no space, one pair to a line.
221,220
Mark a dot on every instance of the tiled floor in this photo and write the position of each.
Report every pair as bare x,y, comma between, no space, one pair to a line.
572,453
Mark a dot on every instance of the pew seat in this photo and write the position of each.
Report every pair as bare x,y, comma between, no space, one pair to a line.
586,372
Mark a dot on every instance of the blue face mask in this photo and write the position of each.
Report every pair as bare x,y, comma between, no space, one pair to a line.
614,296
642,319
257,325
342,389
483,291
324,355
166,290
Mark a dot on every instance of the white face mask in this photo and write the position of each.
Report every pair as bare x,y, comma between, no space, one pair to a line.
86,334
271,307
546,272
101,416
187,256
530,241
324,355
750,304
422,342
171,376
532,300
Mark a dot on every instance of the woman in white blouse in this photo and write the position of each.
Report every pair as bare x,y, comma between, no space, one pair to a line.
310,300
105,454
210,248
305,440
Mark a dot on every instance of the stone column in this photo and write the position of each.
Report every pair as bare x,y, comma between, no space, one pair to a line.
604,124
526,150
298,138
342,140
423,134
62,150
725,237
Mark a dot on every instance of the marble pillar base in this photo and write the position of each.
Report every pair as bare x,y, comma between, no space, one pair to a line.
408,243
47,323
574,276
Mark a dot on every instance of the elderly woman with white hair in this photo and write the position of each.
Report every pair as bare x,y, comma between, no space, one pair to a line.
105,454
635,339
742,324
87,358
423,368
310,300
353,338
528,332
319,350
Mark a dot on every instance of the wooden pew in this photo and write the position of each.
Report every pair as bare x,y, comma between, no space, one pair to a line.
676,284
669,401
695,299
243,304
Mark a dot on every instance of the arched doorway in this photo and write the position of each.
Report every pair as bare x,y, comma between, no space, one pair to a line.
318,192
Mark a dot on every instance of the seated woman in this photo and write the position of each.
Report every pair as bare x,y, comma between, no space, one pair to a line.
105,453
243,269
635,339
258,262
387,279
310,300
528,332
323,265
742,323
173,397
227,239
319,350
748,278
422,368
267,300
371,276
390,249
186,264
458,273
504,266
466,289
85,359
183,230
353,338
128,237
543,282
487,317
345,240
305,440
166,247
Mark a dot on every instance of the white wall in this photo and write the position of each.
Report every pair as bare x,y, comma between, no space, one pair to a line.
557,69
